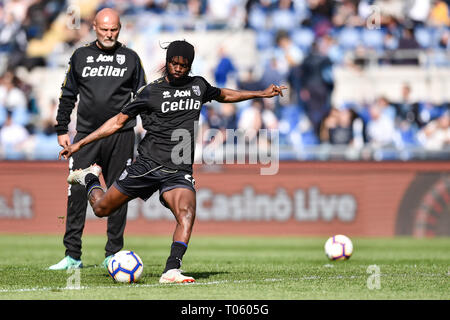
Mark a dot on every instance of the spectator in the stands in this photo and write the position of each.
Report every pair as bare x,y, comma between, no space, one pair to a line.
12,138
249,81
380,130
436,134
337,127
13,40
346,14
406,108
317,85
224,69
286,53
417,11
229,116
250,120
439,14
408,47
13,98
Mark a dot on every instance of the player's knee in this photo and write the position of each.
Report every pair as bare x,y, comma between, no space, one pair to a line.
186,214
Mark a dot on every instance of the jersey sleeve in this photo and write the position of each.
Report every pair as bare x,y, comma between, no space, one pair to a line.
140,104
67,99
211,93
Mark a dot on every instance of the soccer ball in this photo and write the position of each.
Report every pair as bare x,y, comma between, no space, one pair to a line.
125,266
338,247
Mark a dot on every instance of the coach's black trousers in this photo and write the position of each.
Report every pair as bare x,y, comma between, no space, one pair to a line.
113,154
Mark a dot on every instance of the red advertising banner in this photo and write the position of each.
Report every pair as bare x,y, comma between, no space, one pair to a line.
303,198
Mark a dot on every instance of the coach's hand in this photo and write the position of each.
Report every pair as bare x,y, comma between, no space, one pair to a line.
64,140
273,90
67,152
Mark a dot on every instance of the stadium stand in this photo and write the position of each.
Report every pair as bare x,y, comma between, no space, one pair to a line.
356,69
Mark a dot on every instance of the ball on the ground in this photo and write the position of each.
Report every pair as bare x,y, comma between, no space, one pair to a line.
125,266
338,247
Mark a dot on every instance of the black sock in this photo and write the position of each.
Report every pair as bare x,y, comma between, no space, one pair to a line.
92,182
177,251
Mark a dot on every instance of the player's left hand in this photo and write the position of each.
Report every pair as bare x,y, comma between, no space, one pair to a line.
274,90
67,152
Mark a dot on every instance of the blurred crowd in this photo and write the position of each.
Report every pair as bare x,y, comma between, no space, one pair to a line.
299,43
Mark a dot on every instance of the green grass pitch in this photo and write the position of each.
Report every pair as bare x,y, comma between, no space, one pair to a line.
233,268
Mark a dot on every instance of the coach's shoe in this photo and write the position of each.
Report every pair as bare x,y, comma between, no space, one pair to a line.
67,263
106,261
175,276
77,176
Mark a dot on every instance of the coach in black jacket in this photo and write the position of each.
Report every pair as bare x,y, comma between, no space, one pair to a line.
105,75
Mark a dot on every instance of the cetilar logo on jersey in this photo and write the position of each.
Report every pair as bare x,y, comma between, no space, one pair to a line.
180,105
104,70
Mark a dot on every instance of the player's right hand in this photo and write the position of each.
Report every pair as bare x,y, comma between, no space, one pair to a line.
273,90
67,152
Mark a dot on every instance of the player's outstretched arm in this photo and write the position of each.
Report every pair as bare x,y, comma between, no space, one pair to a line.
230,95
108,128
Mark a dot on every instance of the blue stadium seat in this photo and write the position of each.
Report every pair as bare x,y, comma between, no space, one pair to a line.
257,19
10,153
264,40
409,136
3,115
424,36
303,38
436,35
283,19
348,38
336,54
21,116
291,114
46,147
310,138
373,38
385,154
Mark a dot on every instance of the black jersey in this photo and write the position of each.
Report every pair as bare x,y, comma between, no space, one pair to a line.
105,81
172,113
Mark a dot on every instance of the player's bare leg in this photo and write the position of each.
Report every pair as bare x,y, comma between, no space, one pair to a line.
182,202
103,203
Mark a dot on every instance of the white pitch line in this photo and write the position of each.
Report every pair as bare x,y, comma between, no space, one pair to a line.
218,282
137,285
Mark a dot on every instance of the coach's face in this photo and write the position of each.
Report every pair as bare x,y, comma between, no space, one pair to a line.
107,28
178,67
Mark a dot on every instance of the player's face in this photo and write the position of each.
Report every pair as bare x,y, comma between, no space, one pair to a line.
107,33
178,67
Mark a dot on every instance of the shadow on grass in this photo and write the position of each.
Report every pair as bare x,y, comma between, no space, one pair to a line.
195,275
204,275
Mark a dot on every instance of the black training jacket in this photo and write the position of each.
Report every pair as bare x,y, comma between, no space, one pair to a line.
104,80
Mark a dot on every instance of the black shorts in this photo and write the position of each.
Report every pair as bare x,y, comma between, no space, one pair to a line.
144,177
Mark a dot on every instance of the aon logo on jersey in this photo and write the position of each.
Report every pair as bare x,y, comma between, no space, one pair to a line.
103,71
180,105
182,93
105,58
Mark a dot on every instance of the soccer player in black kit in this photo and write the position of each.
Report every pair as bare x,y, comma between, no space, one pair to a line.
172,105
105,75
